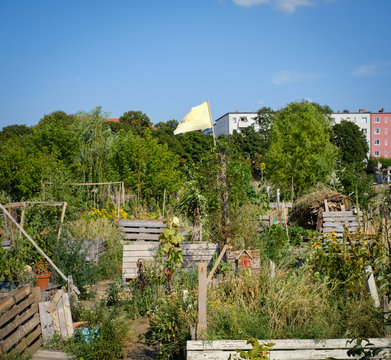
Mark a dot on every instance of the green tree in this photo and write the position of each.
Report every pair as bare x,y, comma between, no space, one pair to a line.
351,142
137,121
300,153
264,119
145,166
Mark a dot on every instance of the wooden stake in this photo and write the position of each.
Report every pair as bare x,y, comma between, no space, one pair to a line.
217,263
64,206
164,201
202,295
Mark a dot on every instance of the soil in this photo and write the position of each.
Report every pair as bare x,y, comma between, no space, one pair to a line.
138,349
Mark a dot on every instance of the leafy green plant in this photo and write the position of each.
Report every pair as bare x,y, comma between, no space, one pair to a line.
258,352
170,241
366,352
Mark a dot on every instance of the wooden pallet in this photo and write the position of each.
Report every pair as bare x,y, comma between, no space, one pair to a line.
147,230
335,221
20,328
193,252
282,350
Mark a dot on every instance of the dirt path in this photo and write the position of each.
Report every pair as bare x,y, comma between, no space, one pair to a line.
139,350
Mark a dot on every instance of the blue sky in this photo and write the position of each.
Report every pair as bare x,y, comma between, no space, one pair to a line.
163,57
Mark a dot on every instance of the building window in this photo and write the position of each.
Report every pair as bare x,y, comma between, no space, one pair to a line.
364,120
377,153
234,120
244,119
385,153
377,120
364,131
385,119
385,131
385,142
377,131
377,142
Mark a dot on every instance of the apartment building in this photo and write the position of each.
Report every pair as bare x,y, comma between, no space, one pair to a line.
362,119
381,134
238,121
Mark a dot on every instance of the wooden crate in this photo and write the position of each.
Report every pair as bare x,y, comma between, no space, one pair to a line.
282,350
20,328
193,252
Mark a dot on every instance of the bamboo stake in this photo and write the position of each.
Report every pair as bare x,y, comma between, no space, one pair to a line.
64,206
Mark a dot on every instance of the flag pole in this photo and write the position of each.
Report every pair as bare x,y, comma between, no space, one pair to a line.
211,123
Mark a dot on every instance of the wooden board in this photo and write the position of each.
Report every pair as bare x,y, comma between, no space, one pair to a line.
291,349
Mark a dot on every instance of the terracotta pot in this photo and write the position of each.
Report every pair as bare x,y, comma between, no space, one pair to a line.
43,281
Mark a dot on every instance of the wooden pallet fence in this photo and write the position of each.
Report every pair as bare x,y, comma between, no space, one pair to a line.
193,252
20,328
292,349
335,221
56,316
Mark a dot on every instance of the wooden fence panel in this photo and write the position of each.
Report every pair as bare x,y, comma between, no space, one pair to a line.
20,329
335,221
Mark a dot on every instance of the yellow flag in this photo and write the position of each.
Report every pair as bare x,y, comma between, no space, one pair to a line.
198,118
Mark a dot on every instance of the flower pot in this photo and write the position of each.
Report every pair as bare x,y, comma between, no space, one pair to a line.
43,280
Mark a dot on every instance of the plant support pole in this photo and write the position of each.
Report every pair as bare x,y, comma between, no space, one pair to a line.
37,247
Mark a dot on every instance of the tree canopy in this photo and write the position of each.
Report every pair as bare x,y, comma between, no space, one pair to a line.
300,154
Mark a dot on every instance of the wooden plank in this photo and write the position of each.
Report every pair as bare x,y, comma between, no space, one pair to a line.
18,320
16,310
44,354
275,355
339,213
13,297
20,333
282,344
56,323
141,223
54,301
46,321
202,297
143,230
144,236
68,316
61,319
216,263
25,343
141,245
140,253
372,285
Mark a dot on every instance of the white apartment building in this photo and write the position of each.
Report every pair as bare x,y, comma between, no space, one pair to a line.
362,119
229,122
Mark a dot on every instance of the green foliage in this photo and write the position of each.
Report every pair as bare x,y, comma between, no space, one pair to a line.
144,165
274,242
343,259
136,121
351,142
69,256
366,352
300,154
258,352
170,242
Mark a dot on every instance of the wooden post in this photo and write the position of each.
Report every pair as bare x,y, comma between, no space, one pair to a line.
202,295
372,285
272,269
211,124
164,201
123,192
64,206
22,218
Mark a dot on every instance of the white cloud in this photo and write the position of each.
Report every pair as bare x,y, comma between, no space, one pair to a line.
249,3
287,6
289,77
260,102
376,69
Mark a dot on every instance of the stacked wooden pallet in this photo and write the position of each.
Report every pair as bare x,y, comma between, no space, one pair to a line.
147,230
282,349
193,252
20,329
335,221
